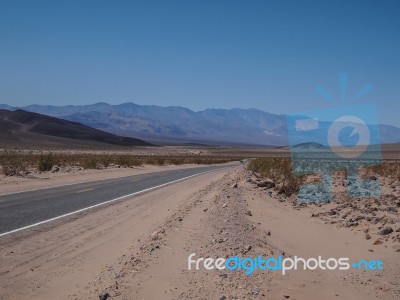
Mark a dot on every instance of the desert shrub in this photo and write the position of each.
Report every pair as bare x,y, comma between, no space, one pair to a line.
106,160
89,162
279,170
199,160
155,160
160,161
388,169
129,160
12,163
176,160
122,160
135,161
46,162
150,160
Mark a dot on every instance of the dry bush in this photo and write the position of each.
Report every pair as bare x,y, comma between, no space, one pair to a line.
132,160
46,162
387,169
280,171
176,160
89,162
12,163
155,160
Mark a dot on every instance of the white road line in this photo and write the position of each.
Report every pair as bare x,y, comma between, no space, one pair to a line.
107,202
85,190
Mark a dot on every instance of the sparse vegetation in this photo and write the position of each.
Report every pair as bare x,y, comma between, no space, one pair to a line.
387,169
12,162
89,162
46,162
280,171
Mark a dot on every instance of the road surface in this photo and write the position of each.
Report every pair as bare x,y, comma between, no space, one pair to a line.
26,209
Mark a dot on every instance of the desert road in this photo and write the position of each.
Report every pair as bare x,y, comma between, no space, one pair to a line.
138,248
26,209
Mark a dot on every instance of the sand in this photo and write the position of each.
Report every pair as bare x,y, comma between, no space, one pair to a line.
138,248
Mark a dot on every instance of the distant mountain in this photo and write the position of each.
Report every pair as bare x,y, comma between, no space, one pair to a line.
7,107
25,127
176,124
309,146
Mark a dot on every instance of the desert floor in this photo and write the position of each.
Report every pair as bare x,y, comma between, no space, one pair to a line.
138,248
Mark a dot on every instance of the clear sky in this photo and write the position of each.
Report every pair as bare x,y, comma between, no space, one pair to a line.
269,55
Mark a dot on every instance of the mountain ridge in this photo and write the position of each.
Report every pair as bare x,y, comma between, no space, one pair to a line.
180,124
20,126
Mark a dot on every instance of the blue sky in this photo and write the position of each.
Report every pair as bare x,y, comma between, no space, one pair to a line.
269,55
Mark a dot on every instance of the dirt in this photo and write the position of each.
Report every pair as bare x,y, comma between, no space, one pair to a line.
139,248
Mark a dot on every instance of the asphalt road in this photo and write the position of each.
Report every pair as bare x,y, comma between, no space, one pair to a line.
23,209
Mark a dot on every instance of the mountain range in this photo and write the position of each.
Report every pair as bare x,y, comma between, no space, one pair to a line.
176,124
20,127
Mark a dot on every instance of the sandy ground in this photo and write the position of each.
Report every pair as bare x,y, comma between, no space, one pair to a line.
138,248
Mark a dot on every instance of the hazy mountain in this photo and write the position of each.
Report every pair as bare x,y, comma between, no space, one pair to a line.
7,107
25,127
182,125
176,124
309,146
